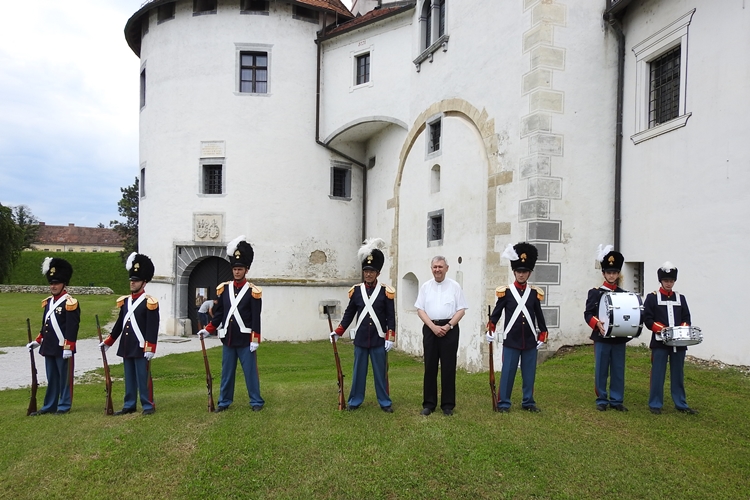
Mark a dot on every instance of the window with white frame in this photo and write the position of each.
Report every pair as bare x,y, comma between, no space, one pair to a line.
212,176
363,68
661,80
435,228
434,131
253,70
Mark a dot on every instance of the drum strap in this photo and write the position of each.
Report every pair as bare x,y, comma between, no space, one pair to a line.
670,304
520,308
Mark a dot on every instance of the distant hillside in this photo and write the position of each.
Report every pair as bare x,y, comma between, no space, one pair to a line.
89,269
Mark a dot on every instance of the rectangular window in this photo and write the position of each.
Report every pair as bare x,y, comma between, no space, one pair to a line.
441,18
363,68
165,12
305,14
254,72
212,179
143,88
341,182
143,182
664,99
426,22
204,7
254,6
435,227
434,139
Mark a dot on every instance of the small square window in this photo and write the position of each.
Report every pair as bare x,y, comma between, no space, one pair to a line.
254,72
664,99
212,179
434,139
435,227
143,88
165,12
305,14
363,68
254,6
204,7
341,182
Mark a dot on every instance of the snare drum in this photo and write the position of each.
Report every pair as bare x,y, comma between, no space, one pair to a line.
678,336
621,314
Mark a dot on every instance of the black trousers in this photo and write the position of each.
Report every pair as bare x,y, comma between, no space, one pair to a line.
442,350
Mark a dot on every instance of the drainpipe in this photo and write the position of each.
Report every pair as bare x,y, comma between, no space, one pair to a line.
617,27
319,43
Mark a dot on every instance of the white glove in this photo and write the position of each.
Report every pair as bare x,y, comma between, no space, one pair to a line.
203,333
388,345
253,346
335,337
32,345
67,353
148,355
105,346
490,338
539,344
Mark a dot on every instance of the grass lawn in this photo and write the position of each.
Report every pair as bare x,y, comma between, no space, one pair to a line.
300,446
16,307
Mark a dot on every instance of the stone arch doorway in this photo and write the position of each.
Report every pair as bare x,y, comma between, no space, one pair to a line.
202,284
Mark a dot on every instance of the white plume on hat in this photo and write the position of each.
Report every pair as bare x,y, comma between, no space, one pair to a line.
602,251
510,253
232,245
46,264
368,246
129,262
668,266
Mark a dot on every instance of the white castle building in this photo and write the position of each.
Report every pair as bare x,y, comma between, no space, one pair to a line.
446,127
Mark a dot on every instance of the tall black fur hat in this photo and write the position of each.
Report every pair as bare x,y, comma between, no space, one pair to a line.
140,267
667,271
522,256
57,270
609,259
370,255
240,253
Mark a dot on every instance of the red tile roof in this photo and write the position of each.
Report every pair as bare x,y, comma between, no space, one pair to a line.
73,235
368,18
331,5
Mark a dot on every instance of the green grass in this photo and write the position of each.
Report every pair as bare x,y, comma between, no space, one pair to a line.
300,446
89,269
16,307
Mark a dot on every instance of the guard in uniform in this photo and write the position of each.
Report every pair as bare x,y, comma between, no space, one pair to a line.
609,353
662,309
60,330
522,305
372,303
237,321
138,323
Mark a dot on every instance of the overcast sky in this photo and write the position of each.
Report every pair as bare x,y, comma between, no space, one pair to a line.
68,108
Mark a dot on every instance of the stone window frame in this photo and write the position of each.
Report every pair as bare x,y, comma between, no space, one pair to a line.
354,55
673,35
204,162
239,48
431,218
341,166
433,23
430,152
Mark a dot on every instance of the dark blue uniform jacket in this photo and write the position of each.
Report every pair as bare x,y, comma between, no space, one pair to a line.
147,316
522,334
249,309
367,334
655,317
591,314
68,316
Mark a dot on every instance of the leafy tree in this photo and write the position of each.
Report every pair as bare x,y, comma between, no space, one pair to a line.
27,225
100,225
10,242
128,209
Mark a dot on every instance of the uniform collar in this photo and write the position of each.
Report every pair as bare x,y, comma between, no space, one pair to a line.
666,293
520,286
136,295
57,297
240,284
611,287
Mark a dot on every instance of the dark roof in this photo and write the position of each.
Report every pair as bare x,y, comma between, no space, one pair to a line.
133,26
369,18
74,235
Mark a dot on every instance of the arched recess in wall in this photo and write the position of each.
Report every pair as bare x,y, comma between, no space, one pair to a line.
408,292
187,258
435,179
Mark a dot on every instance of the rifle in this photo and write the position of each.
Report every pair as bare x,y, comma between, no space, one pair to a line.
34,381
492,369
339,373
108,409
209,379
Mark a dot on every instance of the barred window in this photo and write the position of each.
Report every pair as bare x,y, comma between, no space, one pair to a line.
435,227
434,139
363,68
341,182
212,179
664,99
254,72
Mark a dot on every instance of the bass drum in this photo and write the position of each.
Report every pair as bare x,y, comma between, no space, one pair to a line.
621,314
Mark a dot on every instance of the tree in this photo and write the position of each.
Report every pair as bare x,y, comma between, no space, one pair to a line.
128,208
27,225
10,242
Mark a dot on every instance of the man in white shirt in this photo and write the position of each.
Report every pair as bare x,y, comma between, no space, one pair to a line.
441,305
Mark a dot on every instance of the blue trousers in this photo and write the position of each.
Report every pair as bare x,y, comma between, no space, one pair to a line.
609,363
59,395
359,377
137,382
508,376
659,358
249,363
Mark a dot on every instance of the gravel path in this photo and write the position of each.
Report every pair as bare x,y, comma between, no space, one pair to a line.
15,367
